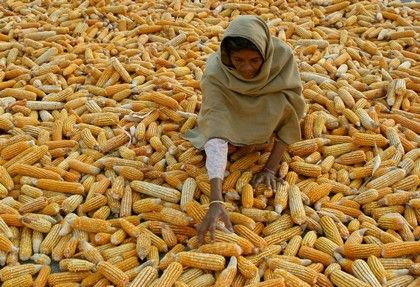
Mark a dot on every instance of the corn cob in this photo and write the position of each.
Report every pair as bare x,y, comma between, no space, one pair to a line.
201,260
304,273
397,249
112,273
150,189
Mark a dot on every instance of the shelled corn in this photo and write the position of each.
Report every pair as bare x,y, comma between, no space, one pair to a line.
94,172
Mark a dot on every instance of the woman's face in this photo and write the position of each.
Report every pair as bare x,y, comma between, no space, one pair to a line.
247,62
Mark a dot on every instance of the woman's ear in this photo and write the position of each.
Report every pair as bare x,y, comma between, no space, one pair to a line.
225,58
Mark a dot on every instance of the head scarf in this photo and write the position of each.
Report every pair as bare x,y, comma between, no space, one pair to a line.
246,111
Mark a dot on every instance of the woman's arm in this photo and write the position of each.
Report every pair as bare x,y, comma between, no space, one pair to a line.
268,174
276,154
216,152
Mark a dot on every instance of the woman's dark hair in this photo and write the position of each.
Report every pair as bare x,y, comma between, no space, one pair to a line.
234,44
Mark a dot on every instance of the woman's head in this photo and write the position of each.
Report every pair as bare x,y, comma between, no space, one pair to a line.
242,55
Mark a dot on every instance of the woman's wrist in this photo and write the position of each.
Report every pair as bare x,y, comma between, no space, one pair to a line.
216,189
217,202
269,170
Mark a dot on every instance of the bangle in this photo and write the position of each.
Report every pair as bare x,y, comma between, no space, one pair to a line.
217,201
269,170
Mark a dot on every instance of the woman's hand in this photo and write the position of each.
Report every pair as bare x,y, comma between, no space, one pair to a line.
216,211
267,177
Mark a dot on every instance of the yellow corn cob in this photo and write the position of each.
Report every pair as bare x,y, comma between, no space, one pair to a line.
114,143
342,279
94,203
34,205
396,249
71,203
187,193
304,273
91,224
171,274
201,260
170,256
25,244
290,279
203,280
330,230
260,215
24,281
120,69
75,265
221,248
293,246
14,149
189,274
66,277
91,253
244,162
268,283
249,234
57,252
32,171
147,205
361,250
168,235
377,268
36,223
83,167
303,148
246,267
243,179
144,277
326,245
403,280
396,263
29,156
309,239
54,185
112,273
42,278
315,255
296,205
284,235
118,237
362,271
318,192
8,272
129,173
306,169
364,139
387,179
353,157
168,194
281,198
247,196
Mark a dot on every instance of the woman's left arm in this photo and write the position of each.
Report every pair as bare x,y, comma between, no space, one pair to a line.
268,174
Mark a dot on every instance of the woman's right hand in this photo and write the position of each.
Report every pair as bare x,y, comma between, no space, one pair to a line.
216,211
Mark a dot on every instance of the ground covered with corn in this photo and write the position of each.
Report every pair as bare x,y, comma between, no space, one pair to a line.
95,174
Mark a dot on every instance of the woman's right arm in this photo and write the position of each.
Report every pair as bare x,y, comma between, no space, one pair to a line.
216,159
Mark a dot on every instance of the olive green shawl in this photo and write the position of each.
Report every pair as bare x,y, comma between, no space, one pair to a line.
246,112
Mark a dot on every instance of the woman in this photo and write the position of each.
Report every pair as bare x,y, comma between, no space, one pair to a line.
251,88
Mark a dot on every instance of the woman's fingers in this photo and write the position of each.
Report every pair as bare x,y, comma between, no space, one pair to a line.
267,181
202,229
281,181
257,180
212,229
273,184
226,221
